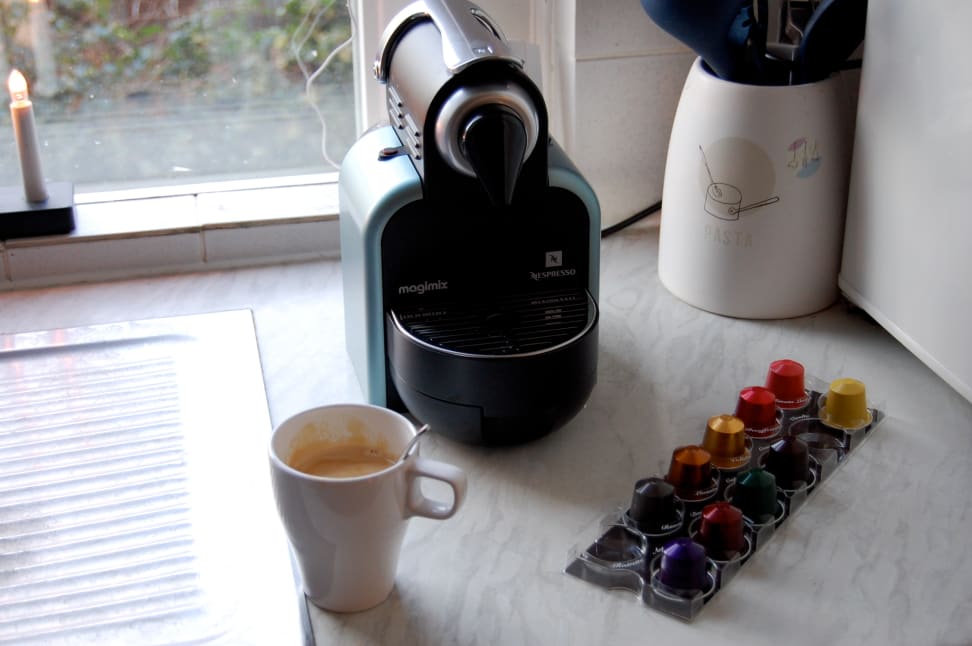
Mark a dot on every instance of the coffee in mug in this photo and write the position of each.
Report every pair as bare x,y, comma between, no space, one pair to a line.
335,460
345,499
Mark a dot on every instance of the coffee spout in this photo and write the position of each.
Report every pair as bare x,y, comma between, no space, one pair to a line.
494,143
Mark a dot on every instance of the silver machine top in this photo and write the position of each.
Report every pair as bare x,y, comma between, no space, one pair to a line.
457,90
464,41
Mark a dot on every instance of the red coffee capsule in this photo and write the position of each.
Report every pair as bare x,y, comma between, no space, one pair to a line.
756,407
786,379
721,531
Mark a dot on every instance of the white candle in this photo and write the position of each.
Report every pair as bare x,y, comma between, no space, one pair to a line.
22,115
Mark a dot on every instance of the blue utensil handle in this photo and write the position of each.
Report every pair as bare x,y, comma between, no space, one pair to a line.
719,32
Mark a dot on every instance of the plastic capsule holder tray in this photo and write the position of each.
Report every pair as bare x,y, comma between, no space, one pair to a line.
687,534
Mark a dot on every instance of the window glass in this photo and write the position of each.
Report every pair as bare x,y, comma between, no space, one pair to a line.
146,92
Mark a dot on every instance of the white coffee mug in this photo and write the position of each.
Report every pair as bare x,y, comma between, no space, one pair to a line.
347,533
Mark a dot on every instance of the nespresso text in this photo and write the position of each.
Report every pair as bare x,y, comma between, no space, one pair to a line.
555,273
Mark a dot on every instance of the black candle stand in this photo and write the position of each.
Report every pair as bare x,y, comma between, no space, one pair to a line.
22,219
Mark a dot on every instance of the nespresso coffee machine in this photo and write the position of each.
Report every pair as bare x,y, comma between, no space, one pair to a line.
470,243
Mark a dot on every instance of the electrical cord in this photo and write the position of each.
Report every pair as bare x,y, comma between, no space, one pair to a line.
298,40
640,215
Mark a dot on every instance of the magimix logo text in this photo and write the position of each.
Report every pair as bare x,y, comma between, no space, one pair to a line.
554,273
421,288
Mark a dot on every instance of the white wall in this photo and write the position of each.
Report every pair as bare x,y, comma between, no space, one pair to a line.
611,79
627,76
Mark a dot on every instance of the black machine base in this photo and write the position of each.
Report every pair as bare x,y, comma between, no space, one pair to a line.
499,373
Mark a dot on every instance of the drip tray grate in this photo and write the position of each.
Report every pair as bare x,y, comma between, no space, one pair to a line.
511,325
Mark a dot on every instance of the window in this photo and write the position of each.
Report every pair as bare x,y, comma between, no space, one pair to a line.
147,92
190,128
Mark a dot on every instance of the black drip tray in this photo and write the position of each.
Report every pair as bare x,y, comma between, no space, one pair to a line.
510,325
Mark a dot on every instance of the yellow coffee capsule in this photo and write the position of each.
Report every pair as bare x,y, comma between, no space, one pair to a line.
845,405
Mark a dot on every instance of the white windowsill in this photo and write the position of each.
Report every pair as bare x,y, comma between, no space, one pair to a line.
146,231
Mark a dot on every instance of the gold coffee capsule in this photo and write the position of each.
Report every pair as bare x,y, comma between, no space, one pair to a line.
725,440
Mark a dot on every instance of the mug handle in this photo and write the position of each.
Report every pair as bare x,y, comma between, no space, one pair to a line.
418,504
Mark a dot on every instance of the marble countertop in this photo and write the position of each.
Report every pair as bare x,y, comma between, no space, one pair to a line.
879,555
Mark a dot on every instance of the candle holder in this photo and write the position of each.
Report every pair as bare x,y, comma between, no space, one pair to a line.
22,219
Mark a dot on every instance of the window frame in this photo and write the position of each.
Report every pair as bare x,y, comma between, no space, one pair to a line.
122,224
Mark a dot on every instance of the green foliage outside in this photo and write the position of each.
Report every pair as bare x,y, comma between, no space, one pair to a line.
220,50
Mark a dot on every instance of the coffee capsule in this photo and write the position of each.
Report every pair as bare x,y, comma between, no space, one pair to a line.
756,407
684,565
690,472
725,440
845,405
789,461
720,531
786,379
654,509
755,495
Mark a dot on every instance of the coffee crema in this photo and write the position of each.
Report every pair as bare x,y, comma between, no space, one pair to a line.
330,460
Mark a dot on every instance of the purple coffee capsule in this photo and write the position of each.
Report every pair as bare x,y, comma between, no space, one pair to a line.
683,565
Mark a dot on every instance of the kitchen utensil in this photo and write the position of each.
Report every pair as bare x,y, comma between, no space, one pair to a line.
716,31
834,31
412,442
786,21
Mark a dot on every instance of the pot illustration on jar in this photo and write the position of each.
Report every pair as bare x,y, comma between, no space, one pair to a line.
724,200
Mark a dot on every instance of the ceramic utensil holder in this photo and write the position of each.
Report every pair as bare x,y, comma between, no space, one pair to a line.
754,196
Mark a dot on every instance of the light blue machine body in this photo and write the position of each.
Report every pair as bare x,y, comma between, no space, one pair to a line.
371,192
